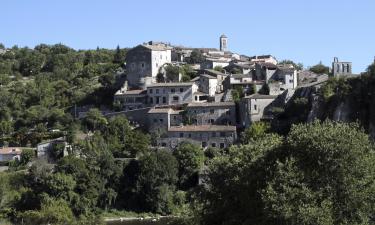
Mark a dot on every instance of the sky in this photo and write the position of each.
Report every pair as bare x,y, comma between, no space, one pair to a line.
306,31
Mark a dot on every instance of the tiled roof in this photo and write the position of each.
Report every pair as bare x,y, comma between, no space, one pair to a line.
202,128
10,151
159,110
259,96
211,104
171,84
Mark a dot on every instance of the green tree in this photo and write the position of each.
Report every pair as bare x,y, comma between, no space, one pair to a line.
27,155
255,131
94,120
196,57
190,160
172,73
320,69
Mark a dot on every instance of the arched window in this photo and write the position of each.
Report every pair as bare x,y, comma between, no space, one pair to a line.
338,68
348,68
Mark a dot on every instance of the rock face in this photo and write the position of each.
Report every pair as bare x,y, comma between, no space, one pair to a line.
342,112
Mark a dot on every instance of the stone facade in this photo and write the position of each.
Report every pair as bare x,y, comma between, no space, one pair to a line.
208,84
170,93
255,108
205,136
341,68
212,113
144,61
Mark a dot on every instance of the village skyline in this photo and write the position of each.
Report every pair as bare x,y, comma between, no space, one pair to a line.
300,31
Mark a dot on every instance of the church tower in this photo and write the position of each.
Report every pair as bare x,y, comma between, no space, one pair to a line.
223,43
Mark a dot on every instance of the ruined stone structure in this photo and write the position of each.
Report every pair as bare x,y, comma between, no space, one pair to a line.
341,68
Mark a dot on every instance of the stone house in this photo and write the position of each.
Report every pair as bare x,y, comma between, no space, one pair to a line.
211,113
170,93
211,63
131,99
143,63
160,119
264,59
244,80
216,136
241,68
10,153
208,84
256,107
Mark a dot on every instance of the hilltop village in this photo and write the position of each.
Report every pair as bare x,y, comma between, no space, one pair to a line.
227,94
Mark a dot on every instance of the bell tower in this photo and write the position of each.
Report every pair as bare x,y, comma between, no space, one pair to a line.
223,43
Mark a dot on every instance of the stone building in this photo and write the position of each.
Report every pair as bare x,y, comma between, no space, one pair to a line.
223,43
264,59
160,119
131,99
144,61
10,153
208,84
341,68
255,108
211,113
170,93
215,136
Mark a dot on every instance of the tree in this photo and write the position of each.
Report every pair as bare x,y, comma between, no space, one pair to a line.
151,183
255,131
94,120
26,156
118,57
190,160
297,66
218,68
172,73
321,174
320,69
196,57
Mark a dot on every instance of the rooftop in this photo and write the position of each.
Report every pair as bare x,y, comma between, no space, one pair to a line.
202,128
211,104
10,151
134,92
159,110
171,84
259,96
208,76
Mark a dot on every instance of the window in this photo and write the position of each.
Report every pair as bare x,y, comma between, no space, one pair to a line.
255,107
189,135
175,98
211,121
213,145
164,100
196,98
222,134
172,90
212,111
157,100
204,144
151,91
163,144
142,65
181,135
348,68
213,134
161,120
181,90
290,81
157,91
222,145
151,100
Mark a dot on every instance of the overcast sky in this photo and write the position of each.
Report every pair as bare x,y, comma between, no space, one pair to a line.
306,31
